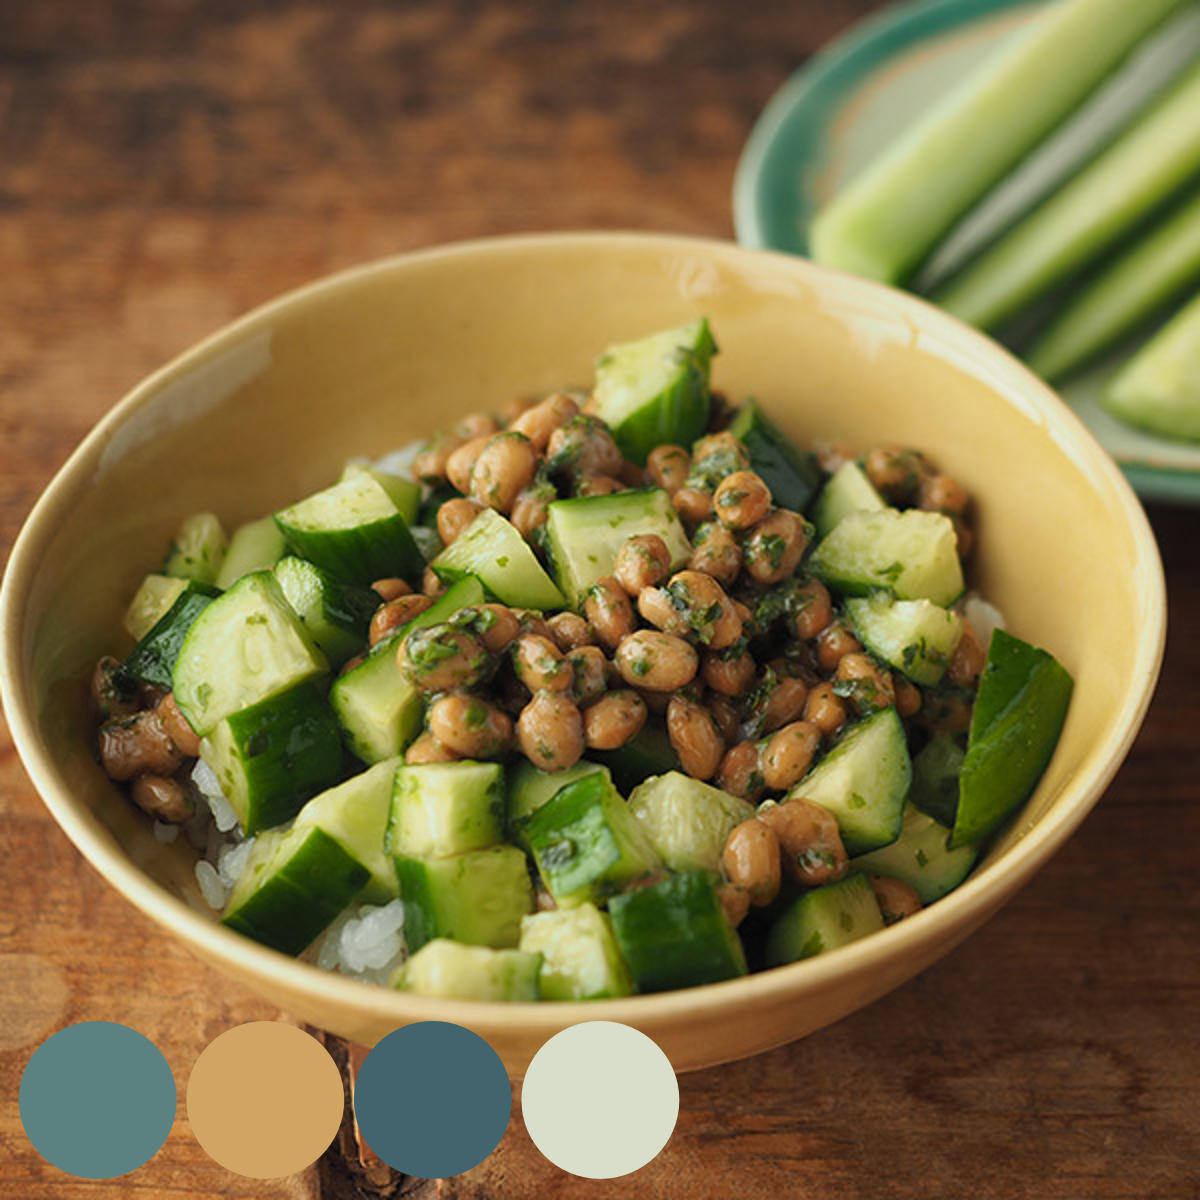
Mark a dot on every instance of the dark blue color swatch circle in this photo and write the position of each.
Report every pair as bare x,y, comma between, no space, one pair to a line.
432,1099
97,1099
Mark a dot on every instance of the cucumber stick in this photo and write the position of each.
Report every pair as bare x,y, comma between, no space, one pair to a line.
198,549
889,218
1136,284
1159,388
253,547
1141,169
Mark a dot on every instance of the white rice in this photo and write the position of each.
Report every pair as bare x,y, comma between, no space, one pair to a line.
232,861
983,616
366,942
211,887
207,784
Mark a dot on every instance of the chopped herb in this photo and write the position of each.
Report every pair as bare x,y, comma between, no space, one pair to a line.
922,858
845,920
502,561
856,801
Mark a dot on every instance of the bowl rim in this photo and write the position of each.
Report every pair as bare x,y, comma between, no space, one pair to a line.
957,913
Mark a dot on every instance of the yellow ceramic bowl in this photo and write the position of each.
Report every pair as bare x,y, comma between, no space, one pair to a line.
269,408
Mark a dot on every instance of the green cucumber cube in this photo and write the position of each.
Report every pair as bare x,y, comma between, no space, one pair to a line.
913,553
674,934
155,595
254,546
293,886
648,753
443,809
848,491
687,821
936,768
492,550
917,637
355,815
586,533
586,842
791,475
655,389
824,919
272,756
336,614
154,657
198,549
246,646
580,959
450,969
353,530
529,787
920,857
405,493
378,708
863,781
478,897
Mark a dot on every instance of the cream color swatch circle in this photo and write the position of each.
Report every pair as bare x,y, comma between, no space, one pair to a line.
600,1099
265,1099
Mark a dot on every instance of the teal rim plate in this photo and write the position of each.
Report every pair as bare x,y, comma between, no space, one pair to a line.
851,100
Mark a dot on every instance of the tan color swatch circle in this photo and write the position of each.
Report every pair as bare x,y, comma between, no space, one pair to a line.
265,1099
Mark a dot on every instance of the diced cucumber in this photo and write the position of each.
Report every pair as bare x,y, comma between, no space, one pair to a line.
294,884
442,809
355,815
655,390
674,934
1151,273
916,637
529,787
920,857
792,475
824,919
353,530
492,550
153,658
587,843
455,971
580,959
379,709
687,821
648,753
1121,186
1019,712
890,217
913,553
336,614
863,781
198,549
478,897
935,778
848,490
1158,389
254,546
585,534
246,645
154,597
273,755
405,493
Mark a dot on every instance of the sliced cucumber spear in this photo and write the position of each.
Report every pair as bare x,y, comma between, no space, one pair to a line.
1159,388
1131,289
1139,171
889,218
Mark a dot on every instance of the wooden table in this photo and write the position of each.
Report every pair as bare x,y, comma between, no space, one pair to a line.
167,165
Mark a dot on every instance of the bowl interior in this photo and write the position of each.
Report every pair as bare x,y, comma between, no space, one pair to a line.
269,409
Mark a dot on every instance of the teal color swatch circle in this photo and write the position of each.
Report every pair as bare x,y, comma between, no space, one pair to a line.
432,1099
97,1099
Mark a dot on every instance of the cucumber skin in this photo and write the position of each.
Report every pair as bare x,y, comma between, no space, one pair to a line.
920,857
797,933
1086,216
337,614
674,934
302,898
792,476
381,549
648,753
885,222
153,658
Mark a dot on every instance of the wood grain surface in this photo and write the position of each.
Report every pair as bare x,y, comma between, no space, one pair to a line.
167,165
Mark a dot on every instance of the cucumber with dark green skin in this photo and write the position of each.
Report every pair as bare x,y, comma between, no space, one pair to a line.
353,530
156,593
272,756
824,919
1019,713
529,787
655,390
935,771
405,493
586,842
478,897
648,753
153,658
674,934
336,614
916,637
792,475
920,857
254,546
296,882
